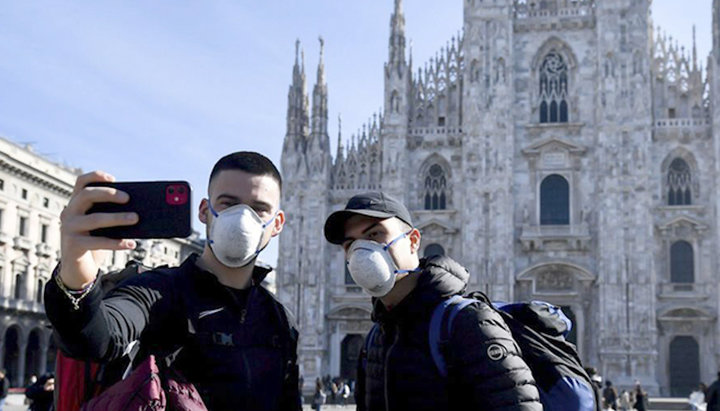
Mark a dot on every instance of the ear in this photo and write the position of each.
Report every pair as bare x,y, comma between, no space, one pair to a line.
278,223
203,210
414,237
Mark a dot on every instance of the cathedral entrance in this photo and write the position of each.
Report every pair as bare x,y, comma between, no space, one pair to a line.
565,285
684,366
349,353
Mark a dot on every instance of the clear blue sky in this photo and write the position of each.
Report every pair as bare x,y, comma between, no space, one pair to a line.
162,89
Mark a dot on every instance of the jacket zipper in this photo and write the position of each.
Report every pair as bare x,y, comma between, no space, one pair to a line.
243,314
387,363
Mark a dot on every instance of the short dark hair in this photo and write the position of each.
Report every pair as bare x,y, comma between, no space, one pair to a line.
249,162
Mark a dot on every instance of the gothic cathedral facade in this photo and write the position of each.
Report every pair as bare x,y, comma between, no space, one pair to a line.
561,150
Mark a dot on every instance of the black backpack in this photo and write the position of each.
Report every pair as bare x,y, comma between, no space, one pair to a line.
539,329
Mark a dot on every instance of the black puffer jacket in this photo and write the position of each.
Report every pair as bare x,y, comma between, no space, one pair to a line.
238,348
398,372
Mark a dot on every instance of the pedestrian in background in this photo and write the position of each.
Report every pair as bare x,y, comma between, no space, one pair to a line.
4,388
42,393
697,398
641,399
610,396
625,401
319,397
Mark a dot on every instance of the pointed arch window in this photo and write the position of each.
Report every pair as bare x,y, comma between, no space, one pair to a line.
553,89
435,188
682,265
679,180
554,201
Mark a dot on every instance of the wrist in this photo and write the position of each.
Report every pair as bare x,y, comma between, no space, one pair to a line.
72,281
74,295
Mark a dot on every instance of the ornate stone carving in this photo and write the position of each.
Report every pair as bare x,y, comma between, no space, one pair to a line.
553,281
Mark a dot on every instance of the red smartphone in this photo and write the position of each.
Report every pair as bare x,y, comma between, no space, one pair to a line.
163,208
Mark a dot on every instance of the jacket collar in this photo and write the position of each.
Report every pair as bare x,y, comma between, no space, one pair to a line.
260,270
440,277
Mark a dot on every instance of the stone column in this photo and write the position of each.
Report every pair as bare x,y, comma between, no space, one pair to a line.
22,349
42,369
335,352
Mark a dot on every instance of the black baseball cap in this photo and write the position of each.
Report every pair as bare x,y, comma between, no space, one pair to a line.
372,204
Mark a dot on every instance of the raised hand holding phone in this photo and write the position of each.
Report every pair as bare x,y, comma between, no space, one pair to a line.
81,253
163,209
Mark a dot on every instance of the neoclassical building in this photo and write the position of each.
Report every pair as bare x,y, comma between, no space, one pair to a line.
562,150
33,192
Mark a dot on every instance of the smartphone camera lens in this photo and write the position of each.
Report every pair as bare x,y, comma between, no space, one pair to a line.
181,190
171,190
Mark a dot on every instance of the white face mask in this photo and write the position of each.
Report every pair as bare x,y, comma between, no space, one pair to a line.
372,267
235,234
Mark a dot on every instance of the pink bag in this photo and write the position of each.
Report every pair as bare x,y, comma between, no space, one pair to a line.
147,388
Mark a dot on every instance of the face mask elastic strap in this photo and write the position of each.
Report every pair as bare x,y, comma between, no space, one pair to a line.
407,271
212,210
271,219
401,236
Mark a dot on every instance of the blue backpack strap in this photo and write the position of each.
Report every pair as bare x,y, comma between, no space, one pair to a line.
368,341
436,337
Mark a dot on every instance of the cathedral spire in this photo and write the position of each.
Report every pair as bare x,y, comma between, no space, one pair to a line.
297,110
716,29
694,52
297,50
410,55
340,148
397,36
319,133
321,65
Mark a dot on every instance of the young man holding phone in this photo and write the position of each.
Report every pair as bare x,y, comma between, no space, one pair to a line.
236,343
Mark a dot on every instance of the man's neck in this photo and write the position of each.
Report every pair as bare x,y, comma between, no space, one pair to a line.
402,288
240,278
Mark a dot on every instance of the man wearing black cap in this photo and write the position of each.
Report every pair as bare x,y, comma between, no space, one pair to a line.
396,370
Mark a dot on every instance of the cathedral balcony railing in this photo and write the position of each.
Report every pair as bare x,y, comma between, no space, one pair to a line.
525,9
22,243
686,291
422,131
43,250
684,123
574,237
18,304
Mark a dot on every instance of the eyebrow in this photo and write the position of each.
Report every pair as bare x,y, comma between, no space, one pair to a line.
371,227
228,197
256,203
363,231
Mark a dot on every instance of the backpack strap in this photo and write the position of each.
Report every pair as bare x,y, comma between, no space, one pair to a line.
438,335
366,345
